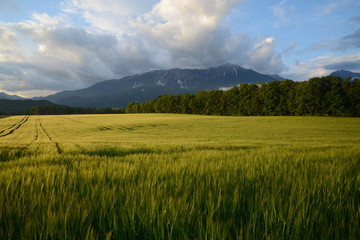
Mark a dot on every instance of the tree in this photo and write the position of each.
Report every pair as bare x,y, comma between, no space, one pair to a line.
231,101
213,103
287,102
249,100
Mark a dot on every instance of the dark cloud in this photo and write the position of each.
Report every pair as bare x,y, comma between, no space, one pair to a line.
347,65
351,41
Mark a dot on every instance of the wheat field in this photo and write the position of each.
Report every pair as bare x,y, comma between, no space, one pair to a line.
163,176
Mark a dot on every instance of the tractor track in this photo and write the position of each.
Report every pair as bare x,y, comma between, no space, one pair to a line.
13,127
58,149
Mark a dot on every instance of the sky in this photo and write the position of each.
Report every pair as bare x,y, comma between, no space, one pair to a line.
47,46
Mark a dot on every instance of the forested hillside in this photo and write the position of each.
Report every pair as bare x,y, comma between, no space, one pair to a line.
325,96
21,106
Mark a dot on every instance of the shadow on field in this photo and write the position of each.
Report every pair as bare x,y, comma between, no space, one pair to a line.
118,152
9,154
115,152
226,148
136,127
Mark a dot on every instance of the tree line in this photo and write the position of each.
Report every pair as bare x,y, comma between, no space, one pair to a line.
63,110
320,96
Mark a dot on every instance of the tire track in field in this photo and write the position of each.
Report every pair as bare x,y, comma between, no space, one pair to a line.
13,127
41,128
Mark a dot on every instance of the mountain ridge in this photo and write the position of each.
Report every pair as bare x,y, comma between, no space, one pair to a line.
20,106
10,97
150,85
344,74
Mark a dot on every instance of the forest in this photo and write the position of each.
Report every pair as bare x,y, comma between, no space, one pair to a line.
320,96
65,110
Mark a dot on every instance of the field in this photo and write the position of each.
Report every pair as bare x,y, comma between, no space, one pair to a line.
179,177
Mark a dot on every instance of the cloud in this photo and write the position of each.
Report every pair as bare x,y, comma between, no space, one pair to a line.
346,65
190,33
330,7
9,47
50,53
350,41
193,34
108,15
120,7
289,48
322,66
264,58
52,56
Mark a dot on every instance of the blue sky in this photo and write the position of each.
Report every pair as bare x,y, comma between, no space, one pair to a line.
53,45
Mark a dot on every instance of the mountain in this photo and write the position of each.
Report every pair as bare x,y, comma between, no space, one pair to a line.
20,106
150,85
9,97
345,74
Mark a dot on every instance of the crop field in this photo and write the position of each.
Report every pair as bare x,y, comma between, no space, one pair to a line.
159,176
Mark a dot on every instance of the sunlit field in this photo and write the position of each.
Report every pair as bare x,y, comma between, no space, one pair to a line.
179,177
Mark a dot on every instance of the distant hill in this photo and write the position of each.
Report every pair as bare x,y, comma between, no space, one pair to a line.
150,85
9,97
345,74
20,106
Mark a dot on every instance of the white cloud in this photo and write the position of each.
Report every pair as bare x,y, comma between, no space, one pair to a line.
180,23
193,34
45,19
9,47
108,15
264,59
120,7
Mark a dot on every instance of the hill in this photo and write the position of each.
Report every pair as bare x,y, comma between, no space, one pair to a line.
150,85
20,106
345,74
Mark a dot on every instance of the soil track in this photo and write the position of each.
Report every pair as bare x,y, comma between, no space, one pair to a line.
13,127
42,129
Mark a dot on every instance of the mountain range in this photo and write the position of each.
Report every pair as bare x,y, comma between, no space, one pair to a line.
150,85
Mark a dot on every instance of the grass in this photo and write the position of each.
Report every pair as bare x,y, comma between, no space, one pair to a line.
179,177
